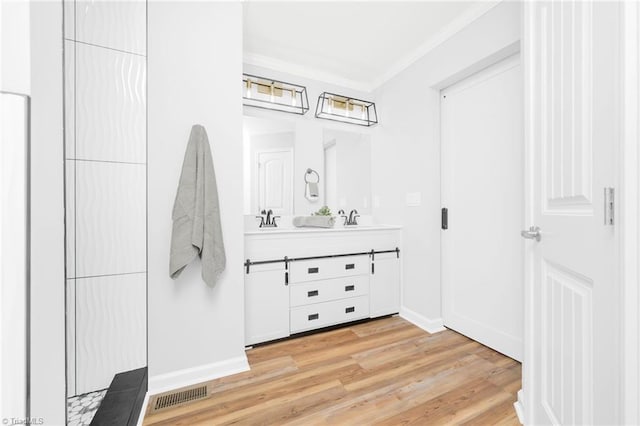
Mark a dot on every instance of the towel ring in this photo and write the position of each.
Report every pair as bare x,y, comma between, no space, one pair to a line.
309,172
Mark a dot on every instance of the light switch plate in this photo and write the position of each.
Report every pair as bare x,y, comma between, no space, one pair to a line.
413,199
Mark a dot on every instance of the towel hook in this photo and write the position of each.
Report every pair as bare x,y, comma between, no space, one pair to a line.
309,172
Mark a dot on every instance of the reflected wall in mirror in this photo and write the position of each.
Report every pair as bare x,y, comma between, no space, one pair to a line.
268,165
347,171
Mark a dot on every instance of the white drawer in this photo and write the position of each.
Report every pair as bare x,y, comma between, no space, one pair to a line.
321,269
326,290
309,317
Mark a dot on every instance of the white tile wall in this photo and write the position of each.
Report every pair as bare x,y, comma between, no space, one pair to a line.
71,337
69,19
105,131
111,218
110,105
115,24
111,328
70,217
69,101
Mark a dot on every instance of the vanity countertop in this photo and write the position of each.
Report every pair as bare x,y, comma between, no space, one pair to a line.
289,230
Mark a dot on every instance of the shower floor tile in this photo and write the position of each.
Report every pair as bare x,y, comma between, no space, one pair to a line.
82,408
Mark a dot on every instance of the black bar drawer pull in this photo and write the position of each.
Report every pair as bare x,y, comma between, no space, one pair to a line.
349,266
312,293
313,317
349,287
349,310
312,270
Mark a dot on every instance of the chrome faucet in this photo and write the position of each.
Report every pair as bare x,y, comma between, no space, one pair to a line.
341,213
269,221
353,218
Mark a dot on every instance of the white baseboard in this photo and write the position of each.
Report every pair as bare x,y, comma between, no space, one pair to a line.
519,407
427,324
191,376
143,410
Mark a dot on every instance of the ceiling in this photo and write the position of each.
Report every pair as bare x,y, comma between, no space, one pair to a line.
353,44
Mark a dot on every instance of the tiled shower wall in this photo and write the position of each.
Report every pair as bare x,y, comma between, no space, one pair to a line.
106,190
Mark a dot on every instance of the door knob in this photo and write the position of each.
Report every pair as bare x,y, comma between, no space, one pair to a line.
533,233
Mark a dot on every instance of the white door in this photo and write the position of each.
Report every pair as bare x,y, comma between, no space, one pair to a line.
275,181
573,301
482,189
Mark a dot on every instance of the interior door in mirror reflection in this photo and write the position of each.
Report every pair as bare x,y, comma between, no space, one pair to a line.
275,186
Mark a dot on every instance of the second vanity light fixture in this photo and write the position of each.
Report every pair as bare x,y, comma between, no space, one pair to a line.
272,94
347,110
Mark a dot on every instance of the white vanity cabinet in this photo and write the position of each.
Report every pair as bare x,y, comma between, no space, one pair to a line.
266,298
329,277
384,285
328,291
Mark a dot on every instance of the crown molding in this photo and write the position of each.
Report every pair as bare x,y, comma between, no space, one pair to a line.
305,72
431,43
443,35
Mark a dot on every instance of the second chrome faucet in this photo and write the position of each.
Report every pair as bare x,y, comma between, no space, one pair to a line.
350,220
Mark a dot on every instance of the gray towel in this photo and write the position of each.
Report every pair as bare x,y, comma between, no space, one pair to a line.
196,213
314,221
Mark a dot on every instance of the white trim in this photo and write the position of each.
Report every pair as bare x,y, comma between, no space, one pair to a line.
203,373
279,65
629,231
519,407
427,324
143,409
455,26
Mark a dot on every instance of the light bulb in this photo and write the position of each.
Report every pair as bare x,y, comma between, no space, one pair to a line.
330,106
346,108
293,97
273,97
248,93
364,111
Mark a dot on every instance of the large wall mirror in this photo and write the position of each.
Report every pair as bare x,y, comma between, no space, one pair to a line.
278,152
347,171
268,159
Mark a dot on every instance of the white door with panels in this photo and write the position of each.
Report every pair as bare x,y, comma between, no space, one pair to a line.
482,192
573,319
275,185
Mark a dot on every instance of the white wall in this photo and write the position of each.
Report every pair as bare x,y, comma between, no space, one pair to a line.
309,152
406,150
194,55
15,46
47,218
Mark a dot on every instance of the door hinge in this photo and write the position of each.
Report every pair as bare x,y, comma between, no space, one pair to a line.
445,218
609,206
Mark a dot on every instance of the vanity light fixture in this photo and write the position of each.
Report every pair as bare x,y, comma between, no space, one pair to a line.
272,94
347,110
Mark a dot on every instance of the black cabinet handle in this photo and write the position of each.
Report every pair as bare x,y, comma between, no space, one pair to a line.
312,293
349,287
312,270
313,317
445,218
349,310
349,266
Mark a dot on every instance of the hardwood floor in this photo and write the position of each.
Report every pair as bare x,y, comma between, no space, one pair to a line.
383,372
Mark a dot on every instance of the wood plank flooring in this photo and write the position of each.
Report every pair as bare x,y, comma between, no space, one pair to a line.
383,372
